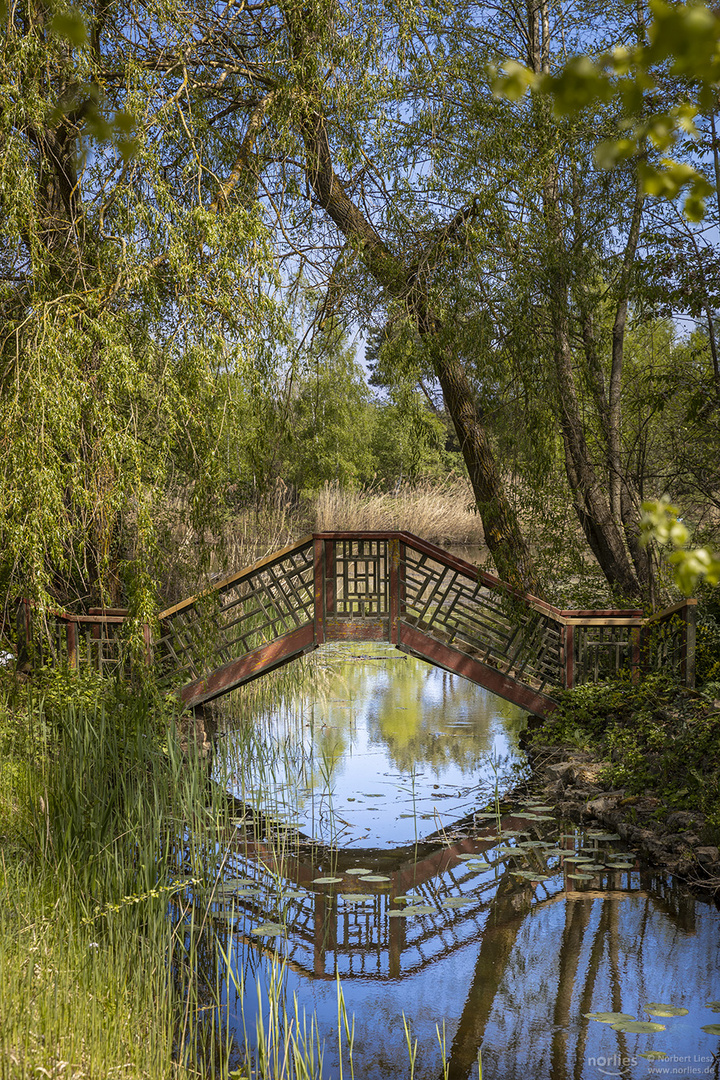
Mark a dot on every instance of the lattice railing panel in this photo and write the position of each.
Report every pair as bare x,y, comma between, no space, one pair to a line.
488,624
361,578
259,605
604,652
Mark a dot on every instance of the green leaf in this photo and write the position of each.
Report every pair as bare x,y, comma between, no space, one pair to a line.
608,1017
71,26
659,1008
639,1027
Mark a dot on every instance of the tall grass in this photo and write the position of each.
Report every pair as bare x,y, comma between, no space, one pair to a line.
440,512
109,822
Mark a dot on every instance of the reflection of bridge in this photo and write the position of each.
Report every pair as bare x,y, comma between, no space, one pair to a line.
395,587
329,933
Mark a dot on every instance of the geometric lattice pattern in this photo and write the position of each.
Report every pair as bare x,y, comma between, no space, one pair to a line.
512,636
250,609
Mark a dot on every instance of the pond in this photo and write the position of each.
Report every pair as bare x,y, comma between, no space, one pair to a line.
374,849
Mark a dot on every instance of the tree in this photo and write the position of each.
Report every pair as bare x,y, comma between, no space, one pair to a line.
119,291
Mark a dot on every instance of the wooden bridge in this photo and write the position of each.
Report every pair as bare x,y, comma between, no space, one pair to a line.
384,586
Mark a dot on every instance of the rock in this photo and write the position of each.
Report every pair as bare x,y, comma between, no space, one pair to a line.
691,840
599,807
562,770
680,819
707,855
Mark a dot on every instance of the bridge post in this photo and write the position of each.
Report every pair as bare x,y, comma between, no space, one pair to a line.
569,649
329,577
72,643
687,665
319,590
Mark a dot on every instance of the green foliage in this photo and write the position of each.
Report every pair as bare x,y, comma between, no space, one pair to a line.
684,38
655,737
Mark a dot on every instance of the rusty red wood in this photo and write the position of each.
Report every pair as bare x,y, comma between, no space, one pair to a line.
357,630
250,666
412,640
319,589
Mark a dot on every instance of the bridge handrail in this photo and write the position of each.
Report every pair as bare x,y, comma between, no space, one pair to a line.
235,577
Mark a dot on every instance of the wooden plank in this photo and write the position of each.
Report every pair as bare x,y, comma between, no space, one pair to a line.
234,578
250,666
444,656
357,630
667,612
634,621
599,613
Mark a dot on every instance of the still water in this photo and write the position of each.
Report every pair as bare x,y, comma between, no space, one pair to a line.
375,849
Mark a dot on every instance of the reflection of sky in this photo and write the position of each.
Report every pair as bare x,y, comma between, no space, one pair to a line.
630,952
393,748
380,738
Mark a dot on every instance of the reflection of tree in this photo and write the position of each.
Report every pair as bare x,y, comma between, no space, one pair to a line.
507,913
411,706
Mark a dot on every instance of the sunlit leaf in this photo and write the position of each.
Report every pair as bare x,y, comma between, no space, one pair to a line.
608,1017
659,1008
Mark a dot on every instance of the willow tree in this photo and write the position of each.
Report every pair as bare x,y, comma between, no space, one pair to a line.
123,301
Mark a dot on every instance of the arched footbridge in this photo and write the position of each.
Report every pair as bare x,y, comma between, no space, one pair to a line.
394,587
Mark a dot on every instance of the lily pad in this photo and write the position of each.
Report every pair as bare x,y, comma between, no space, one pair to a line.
639,1027
714,1005
466,858
711,1029
540,809
581,877
326,880
357,898
358,870
653,1055
268,929
591,866
620,866
457,901
419,909
375,877
401,913
478,864
659,1008
608,1017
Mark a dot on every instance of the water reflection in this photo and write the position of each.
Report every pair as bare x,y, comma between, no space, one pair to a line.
387,748
499,937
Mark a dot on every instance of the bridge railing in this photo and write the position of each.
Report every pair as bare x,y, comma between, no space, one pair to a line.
271,600
390,586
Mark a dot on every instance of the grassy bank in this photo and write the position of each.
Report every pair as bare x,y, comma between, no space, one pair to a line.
102,823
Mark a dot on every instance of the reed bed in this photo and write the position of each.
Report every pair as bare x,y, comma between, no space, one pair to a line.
443,513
